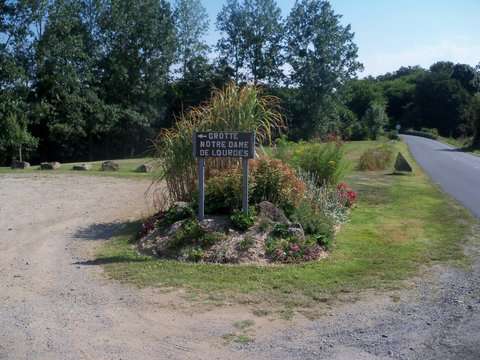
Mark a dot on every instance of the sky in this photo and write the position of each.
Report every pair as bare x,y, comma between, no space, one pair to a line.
394,33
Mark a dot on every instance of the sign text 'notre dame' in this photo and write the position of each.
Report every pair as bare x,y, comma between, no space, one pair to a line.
224,144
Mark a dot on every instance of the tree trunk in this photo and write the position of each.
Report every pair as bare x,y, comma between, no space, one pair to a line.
20,153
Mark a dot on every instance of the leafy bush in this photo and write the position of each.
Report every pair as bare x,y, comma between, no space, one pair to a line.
313,220
377,158
392,135
194,254
246,243
425,134
325,199
223,193
276,182
324,161
243,221
189,233
240,108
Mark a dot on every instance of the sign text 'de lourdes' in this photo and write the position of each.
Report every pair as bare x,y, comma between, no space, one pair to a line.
225,144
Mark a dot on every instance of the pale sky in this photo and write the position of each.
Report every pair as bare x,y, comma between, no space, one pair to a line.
394,33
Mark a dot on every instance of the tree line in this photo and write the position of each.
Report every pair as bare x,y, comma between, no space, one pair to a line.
92,79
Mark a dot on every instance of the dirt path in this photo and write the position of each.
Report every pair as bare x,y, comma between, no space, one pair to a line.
55,306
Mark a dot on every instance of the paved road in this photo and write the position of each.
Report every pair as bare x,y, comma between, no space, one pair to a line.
458,173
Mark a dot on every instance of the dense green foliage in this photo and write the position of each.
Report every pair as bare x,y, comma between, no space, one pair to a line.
93,79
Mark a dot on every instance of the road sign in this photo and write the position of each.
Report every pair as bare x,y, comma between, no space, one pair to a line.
224,144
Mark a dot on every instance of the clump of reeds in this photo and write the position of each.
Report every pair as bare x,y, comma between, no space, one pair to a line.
233,108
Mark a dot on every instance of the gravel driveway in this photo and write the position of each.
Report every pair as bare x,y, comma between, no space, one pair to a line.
54,305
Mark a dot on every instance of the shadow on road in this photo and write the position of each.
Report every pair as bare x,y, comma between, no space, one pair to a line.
106,231
108,260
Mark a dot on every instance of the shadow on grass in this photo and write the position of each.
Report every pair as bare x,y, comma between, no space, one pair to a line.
110,260
105,231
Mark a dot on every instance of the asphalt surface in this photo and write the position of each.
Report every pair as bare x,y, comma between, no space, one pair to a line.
457,172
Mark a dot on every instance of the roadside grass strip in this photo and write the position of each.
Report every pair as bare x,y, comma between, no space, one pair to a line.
400,225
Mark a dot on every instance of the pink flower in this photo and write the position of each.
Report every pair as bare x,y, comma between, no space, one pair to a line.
295,248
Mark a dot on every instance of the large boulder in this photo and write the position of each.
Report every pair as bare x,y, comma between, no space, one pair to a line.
110,166
54,165
270,211
81,167
144,168
402,165
20,164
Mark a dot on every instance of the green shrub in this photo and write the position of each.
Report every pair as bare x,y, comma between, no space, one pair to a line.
392,135
425,134
326,199
433,132
377,158
223,193
276,182
313,220
324,161
177,213
194,254
243,221
189,233
246,243
210,239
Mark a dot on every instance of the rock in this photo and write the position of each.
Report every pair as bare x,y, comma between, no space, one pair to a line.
144,168
81,167
270,211
110,166
215,224
50,165
20,164
401,164
296,230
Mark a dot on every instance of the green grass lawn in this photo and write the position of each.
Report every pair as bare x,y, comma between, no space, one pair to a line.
401,223
127,169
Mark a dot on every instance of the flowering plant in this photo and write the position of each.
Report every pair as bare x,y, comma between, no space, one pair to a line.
346,194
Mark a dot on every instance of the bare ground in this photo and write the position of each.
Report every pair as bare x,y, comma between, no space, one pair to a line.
55,305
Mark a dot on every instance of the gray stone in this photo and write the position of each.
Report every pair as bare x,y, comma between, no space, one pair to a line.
81,167
54,165
144,168
110,166
401,164
270,211
20,164
296,231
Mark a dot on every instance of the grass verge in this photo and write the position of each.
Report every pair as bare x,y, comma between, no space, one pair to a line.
400,224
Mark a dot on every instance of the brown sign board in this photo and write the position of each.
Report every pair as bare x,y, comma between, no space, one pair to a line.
224,144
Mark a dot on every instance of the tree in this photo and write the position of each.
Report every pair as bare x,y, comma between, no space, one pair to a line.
191,23
440,102
231,23
360,94
375,119
467,76
14,134
263,34
138,39
323,57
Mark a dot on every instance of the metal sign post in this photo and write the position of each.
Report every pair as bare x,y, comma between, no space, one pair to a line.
222,144
245,186
201,189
